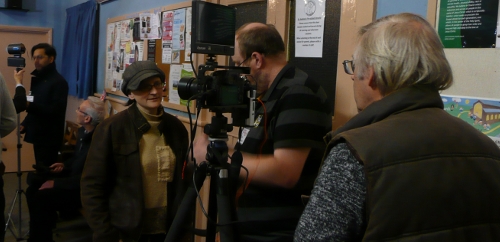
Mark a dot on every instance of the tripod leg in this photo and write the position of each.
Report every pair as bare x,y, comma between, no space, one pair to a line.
188,203
212,208
13,229
225,207
10,211
19,222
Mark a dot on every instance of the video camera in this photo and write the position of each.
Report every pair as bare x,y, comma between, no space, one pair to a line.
17,60
222,91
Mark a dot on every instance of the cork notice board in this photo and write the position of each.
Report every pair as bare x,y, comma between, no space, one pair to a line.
162,35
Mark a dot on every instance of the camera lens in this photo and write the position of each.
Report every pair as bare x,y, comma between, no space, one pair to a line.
187,87
16,49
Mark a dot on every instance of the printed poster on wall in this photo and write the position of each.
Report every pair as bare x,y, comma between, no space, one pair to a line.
309,27
187,53
168,26
139,50
179,28
166,53
482,113
468,23
150,26
113,54
151,50
174,78
167,37
127,27
110,45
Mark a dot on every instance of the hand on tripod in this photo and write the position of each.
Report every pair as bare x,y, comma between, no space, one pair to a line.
200,147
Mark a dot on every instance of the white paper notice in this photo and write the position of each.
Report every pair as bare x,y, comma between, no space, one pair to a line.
179,28
166,53
309,27
498,45
174,77
187,53
150,26
140,47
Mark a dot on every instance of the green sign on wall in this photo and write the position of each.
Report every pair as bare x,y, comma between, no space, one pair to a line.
468,23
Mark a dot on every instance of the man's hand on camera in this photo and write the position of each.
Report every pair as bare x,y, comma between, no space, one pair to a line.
18,76
56,167
47,185
200,147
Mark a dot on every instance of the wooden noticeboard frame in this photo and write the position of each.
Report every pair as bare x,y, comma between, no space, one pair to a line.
109,69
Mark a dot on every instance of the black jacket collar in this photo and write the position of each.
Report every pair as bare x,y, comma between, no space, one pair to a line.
46,71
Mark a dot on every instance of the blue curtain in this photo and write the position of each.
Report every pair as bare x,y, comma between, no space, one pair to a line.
80,49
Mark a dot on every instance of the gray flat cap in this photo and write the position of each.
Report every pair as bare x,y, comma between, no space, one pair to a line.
137,72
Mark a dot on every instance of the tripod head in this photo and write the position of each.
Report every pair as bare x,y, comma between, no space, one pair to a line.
217,151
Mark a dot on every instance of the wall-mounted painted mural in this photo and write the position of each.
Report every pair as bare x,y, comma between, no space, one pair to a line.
483,114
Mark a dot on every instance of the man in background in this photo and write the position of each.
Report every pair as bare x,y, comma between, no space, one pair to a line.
283,151
20,99
403,169
59,188
8,122
46,106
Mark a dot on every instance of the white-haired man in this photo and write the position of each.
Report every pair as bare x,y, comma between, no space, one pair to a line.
59,188
403,169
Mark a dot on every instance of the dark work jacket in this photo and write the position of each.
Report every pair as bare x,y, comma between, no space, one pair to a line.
73,167
111,185
430,176
47,113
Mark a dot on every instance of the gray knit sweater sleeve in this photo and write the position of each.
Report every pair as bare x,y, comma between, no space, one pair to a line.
335,211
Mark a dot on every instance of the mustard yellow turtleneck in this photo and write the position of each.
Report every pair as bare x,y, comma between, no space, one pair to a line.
158,164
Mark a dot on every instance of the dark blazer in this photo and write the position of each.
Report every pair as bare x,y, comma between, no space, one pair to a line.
45,121
111,185
20,100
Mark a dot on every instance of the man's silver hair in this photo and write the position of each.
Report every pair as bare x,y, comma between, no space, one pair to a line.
403,50
96,110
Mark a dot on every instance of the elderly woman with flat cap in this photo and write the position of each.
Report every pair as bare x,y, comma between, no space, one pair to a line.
132,181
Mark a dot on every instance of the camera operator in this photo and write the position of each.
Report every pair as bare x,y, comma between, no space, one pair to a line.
58,189
284,149
8,122
46,106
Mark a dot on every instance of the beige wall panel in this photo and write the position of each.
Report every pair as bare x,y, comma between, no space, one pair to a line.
354,14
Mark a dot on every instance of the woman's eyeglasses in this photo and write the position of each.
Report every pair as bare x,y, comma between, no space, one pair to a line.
148,87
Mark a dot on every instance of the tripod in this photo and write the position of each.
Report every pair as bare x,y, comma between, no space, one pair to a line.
17,233
223,182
